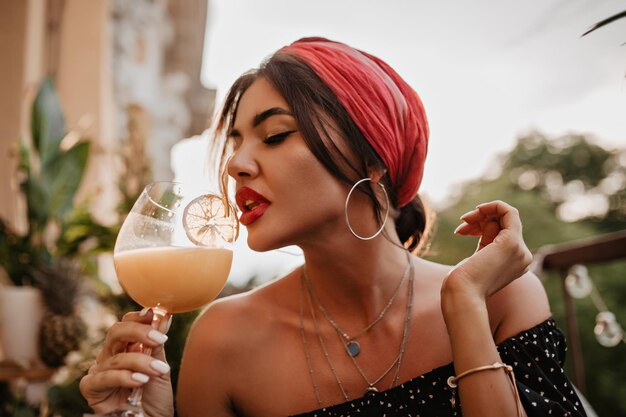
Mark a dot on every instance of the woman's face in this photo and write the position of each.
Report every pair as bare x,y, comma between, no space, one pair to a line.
285,194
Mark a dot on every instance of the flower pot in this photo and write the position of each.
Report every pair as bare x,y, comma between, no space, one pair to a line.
21,311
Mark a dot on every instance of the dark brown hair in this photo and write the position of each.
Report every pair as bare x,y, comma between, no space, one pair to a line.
304,90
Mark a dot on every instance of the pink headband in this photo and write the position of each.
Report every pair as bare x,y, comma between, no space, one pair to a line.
386,109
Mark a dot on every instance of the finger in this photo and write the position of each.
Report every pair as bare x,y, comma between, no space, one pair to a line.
147,316
468,229
135,362
165,324
489,232
144,316
473,216
115,346
124,333
99,383
162,324
508,215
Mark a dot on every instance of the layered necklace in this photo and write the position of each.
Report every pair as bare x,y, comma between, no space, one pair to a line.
322,344
307,290
353,348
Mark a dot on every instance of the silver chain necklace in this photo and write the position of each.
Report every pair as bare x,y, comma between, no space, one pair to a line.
371,388
371,385
353,348
322,344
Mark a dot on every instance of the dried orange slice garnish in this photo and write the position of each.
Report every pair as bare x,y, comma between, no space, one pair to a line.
207,221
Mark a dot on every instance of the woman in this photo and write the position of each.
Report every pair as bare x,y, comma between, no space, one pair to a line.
328,147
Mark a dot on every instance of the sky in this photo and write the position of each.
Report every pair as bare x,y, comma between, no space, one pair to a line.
487,71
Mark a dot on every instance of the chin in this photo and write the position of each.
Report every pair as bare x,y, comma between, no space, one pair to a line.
264,239
261,242
259,246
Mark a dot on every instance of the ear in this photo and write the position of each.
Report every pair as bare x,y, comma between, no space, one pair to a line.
376,173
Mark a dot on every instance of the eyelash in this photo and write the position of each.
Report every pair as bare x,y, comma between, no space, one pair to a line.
278,138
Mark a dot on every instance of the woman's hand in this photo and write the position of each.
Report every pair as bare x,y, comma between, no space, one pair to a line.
501,255
121,366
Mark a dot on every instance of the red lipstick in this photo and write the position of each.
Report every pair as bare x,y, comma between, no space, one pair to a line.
251,204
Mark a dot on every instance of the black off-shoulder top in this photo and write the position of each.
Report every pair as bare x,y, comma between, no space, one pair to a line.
536,355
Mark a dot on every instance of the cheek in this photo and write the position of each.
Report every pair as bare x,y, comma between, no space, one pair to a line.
308,190
313,182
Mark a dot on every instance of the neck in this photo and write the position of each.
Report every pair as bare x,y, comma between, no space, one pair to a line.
355,279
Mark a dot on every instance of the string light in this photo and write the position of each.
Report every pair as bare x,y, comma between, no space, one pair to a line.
579,285
607,330
577,282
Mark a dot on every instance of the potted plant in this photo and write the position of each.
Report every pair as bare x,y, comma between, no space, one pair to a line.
44,260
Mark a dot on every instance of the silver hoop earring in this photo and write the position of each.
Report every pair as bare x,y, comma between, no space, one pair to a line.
386,211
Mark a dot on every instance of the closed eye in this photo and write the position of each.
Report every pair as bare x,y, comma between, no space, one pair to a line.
278,138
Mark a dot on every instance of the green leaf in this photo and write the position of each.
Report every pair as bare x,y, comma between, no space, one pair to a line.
62,178
67,401
47,123
24,158
23,412
18,257
5,248
78,227
37,203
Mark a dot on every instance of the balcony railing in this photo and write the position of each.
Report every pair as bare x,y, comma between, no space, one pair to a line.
560,258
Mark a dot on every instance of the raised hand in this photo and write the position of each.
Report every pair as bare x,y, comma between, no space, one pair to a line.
501,255
120,366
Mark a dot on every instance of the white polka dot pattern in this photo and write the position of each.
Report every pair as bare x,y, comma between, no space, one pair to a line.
536,355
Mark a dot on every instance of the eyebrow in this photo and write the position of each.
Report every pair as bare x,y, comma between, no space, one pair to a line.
263,116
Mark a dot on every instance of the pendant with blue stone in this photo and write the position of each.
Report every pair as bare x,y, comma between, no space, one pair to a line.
353,348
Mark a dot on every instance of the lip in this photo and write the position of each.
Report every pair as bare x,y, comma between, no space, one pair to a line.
250,216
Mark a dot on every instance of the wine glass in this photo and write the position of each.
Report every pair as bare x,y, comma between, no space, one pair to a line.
173,253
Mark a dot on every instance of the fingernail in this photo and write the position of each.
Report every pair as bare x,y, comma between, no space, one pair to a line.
157,336
143,312
160,366
458,228
168,325
139,377
466,214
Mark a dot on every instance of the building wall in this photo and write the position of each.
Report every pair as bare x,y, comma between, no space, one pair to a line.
74,49
74,42
189,19
84,82
22,26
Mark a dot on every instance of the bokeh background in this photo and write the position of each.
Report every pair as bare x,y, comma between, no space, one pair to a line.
99,98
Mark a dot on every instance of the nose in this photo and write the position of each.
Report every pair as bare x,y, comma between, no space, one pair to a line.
242,164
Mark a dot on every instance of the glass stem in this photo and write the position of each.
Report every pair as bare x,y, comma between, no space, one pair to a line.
134,399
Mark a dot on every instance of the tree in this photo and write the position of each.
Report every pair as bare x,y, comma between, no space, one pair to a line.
565,188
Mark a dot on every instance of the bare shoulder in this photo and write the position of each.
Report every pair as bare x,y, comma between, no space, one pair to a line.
232,317
519,306
218,354
431,272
